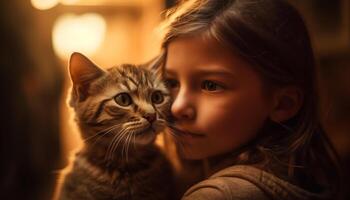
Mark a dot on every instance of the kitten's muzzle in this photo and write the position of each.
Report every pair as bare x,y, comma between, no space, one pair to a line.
151,117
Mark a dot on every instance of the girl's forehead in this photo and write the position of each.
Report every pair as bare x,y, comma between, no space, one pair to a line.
202,53
198,45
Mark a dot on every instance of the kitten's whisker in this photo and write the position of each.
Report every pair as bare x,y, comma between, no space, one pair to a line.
163,121
132,124
170,125
125,138
110,129
134,141
127,146
102,135
129,124
172,132
161,114
111,147
129,140
112,142
160,119
175,136
96,134
97,139
115,140
124,143
121,136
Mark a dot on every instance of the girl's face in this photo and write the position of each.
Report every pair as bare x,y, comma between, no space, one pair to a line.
219,103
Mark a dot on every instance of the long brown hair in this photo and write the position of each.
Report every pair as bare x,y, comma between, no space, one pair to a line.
271,35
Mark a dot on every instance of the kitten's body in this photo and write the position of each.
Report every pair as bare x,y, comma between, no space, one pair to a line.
146,177
119,112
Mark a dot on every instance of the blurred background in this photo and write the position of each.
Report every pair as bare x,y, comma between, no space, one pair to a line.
38,36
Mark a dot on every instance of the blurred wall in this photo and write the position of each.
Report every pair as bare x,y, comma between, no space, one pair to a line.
30,86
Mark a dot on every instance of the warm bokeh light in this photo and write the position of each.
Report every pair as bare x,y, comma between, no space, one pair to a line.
81,33
68,1
44,4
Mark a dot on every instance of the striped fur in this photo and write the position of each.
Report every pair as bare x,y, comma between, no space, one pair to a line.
119,159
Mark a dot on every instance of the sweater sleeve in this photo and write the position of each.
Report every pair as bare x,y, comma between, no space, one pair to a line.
225,188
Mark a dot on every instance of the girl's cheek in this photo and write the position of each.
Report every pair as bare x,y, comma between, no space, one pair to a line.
230,114
216,114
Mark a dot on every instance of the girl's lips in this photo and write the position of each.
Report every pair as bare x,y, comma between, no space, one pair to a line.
185,133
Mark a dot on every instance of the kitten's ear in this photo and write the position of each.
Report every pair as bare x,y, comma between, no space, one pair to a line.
156,65
82,72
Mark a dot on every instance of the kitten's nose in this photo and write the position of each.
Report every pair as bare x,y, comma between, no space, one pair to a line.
150,117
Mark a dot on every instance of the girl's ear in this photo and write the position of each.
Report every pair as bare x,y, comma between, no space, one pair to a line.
82,71
286,103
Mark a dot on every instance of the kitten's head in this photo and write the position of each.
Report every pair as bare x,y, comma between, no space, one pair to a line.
125,102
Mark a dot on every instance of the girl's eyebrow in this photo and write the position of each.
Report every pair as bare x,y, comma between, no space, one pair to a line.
206,72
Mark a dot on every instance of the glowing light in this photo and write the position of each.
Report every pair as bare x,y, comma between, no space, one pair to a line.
84,33
69,2
44,4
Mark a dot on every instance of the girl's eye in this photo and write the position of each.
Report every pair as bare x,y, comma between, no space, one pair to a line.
210,86
171,83
157,97
123,99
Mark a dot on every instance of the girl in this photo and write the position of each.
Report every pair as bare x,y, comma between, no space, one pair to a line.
242,75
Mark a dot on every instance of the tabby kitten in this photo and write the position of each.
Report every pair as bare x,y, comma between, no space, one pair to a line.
119,112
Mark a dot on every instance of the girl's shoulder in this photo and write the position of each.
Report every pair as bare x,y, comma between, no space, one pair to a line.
247,182
224,188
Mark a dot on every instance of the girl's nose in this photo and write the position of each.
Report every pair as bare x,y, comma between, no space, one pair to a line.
182,107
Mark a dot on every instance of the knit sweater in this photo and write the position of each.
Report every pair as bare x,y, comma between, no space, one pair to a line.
242,182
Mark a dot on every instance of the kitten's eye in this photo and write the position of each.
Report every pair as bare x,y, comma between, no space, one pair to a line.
171,83
211,86
157,97
123,99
